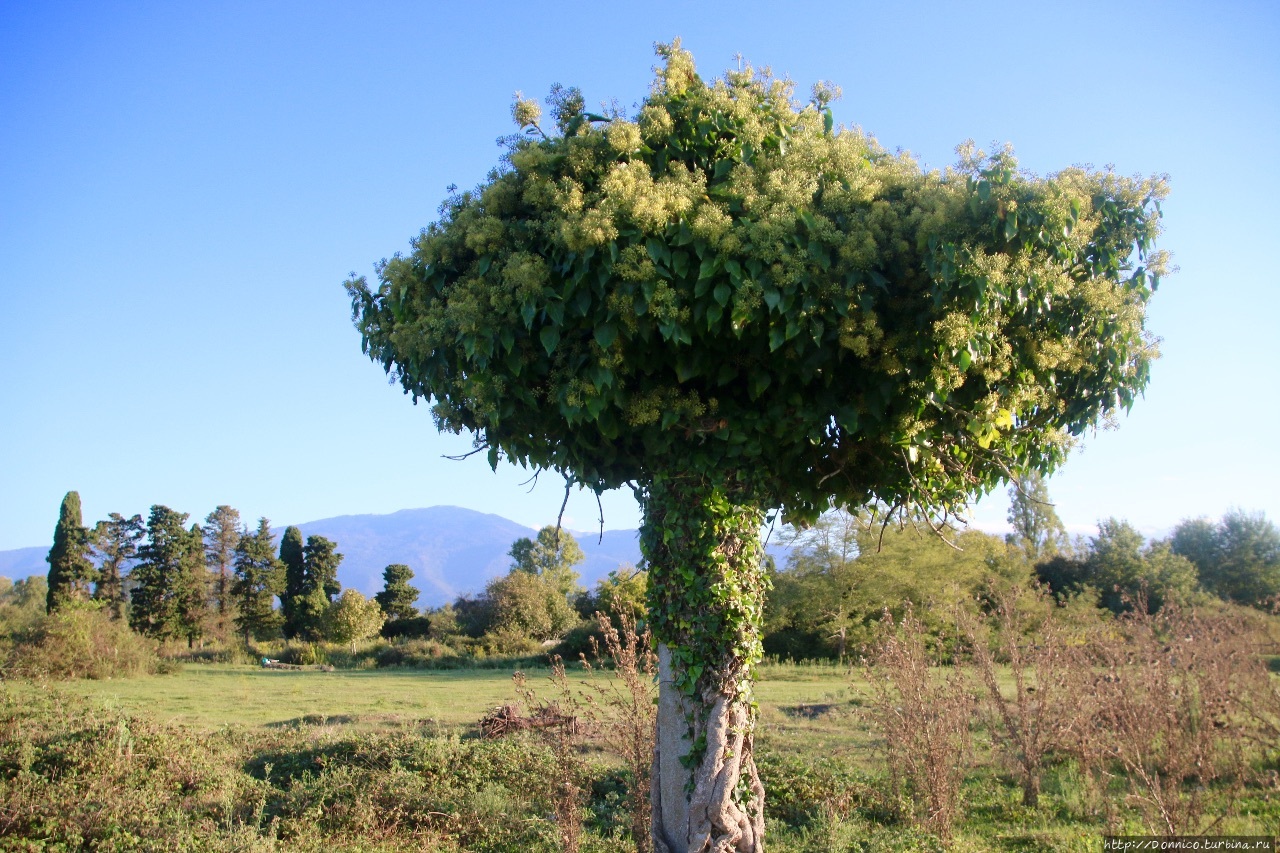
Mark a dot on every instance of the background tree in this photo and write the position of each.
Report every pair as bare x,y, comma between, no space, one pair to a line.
398,598
735,307
1124,571
259,577
1238,559
551,556
321,559
115,543
1037,530
352,618
157,578
222,532
23,604
310,583
524,604
295,578
70,571
817,593
193,589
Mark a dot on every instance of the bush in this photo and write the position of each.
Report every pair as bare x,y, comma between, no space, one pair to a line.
81,642
417,626
303,654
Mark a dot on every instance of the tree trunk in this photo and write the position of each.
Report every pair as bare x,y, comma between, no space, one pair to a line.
701,542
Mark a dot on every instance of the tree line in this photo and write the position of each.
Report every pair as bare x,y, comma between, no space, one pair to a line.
171,580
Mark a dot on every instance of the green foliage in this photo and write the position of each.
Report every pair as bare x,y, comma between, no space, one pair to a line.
727,282
80,641
733,306
846,571
398,598
352,618
70,571
170,591
311,582
1238,558
295,578
321,560
259,577
22,604
551,556
1120,569
622,591
115,543
528,605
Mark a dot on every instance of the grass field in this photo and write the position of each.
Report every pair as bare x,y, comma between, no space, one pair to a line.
798,702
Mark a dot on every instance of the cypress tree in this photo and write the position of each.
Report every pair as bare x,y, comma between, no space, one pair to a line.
295,578
70,571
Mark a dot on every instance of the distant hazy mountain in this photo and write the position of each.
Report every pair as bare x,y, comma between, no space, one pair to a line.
24,562
452,551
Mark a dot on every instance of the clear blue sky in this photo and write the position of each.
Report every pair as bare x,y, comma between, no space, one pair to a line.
184,187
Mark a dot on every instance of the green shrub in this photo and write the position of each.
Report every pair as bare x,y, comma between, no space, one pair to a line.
80,642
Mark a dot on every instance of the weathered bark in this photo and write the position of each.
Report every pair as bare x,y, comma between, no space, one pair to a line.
701,543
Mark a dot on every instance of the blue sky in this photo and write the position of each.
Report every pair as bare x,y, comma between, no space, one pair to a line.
184,187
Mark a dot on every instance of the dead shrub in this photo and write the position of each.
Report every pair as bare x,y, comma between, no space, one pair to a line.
1044,713
923,713
1175,696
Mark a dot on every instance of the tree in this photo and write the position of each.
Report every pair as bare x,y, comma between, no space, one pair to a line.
526,605
259,577
159,604
222,532
70,572
295,579
1037,530
311,582
1125,572
1238,559
736,307
398,598
352,618
115,543
192,589
551,556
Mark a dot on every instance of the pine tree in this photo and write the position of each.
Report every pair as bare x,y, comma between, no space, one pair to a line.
259,577
221,535
398,598
115,543
157,576
70,571
295,579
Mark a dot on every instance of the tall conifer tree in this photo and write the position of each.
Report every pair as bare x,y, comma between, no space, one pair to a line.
222,532
157,576
259,577
70,571
295,578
